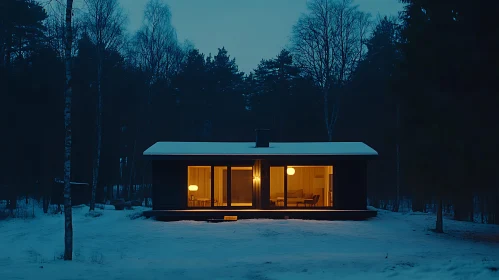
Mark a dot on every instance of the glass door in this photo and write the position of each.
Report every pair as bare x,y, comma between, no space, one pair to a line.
241,186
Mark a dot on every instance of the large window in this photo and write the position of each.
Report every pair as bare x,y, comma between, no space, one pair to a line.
241,186
307,186
199,186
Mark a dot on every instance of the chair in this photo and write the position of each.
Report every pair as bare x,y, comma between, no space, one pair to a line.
313,201
215,202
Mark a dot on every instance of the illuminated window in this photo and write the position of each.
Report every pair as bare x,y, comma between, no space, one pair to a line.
307,186
199,186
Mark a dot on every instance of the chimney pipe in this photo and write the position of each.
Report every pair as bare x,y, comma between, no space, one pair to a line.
262,137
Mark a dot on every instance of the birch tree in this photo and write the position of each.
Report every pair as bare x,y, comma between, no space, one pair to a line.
328,43
56,28
158,54
104,22
157,48
68,215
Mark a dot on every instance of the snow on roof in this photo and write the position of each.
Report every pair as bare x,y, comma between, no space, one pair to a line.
248,148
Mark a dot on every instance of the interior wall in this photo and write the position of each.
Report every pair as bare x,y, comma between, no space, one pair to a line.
307,178
310,179
313,180
242,186
200,176
276,180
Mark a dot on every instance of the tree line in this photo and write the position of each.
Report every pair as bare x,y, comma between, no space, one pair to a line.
420,88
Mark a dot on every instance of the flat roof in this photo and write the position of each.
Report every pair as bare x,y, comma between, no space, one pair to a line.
249,149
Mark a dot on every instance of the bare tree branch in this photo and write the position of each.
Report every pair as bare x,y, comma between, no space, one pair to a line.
56,29
328,43
157,48
105,23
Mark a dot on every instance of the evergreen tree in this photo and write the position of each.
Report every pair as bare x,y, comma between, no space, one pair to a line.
226,103
22,93
274,88
370,110
449,100
192,84
21,29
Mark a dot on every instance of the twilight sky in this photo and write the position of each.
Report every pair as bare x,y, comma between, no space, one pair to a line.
250,30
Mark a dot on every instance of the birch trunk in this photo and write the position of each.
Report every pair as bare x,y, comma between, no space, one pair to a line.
68,215
95,178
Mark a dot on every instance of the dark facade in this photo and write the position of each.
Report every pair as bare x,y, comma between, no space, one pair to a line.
170,180
262,176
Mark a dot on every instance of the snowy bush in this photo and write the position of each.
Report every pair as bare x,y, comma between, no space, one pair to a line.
4,213
97,258
25,209
54,210
36,257
93,214
135,215
23,212
100,206
59,256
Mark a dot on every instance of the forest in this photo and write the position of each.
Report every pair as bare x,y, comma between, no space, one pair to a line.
421,88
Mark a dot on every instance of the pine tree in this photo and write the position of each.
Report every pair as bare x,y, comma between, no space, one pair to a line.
273,92
227,102
370,111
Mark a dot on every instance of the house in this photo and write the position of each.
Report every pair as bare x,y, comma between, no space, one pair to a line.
262,179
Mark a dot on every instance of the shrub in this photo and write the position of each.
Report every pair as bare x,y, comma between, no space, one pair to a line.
135,215
97,258
93,214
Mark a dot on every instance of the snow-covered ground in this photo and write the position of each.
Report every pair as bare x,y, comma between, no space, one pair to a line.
113,246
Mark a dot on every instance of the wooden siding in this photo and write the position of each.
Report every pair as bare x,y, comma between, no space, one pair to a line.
265,185
257,184
350,185
169,185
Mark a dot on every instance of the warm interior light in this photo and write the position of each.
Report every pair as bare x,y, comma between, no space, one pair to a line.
290,171
193,188
256,178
